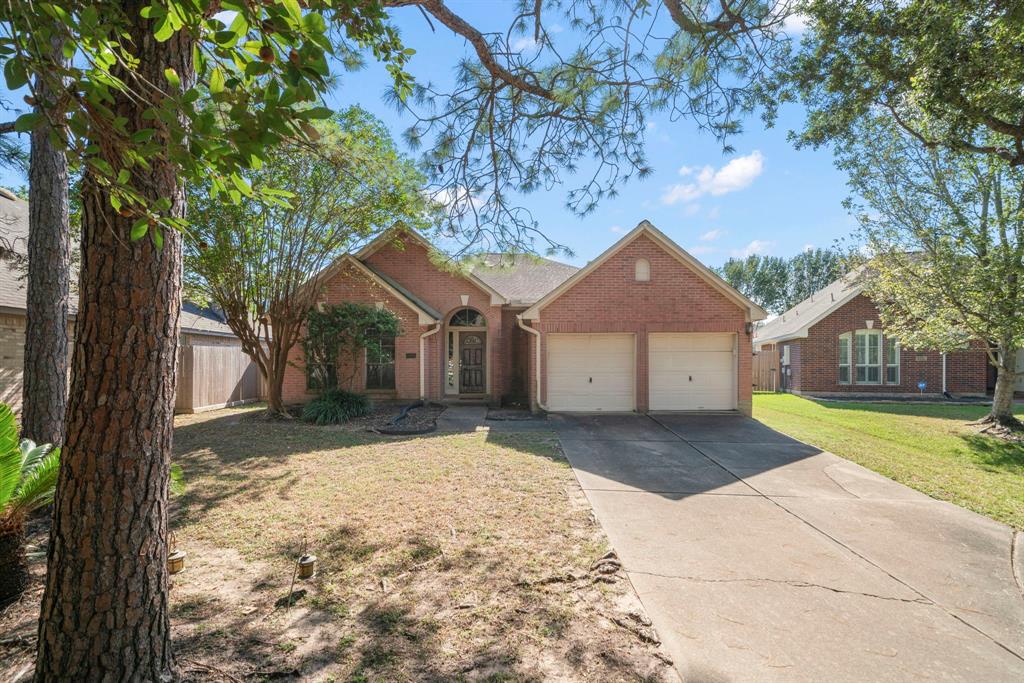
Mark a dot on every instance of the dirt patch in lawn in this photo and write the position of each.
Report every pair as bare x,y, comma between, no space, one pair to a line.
445,557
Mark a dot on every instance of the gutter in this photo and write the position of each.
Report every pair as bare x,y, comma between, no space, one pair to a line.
423,343
944,373
535,333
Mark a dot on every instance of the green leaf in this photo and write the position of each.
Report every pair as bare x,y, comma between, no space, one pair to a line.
158,237
26,122
163,30
14,74
216,81
139,229
172,77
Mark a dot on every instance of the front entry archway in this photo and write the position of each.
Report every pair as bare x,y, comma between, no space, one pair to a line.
466,354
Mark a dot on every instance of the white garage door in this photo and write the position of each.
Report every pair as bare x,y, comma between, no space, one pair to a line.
590,372
692,371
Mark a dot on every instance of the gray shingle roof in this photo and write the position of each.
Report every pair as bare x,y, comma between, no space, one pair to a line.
811,310
14,236
522,278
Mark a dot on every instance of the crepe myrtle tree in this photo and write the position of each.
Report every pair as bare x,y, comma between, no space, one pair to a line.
131,91
944,233
264,264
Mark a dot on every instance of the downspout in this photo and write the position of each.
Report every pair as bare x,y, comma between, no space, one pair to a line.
535,333
423,368
944,373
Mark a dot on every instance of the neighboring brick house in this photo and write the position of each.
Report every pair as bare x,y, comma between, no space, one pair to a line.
200,327
833,344
644,326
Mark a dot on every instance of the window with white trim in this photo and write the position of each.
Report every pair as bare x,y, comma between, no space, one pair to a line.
892,360
868,348
844,357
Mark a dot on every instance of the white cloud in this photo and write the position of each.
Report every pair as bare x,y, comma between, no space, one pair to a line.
686,170
711,235
555,28
525,44
701,249
808,247
795,24
714,213
617,229
754,247
692,209
735,175
651,125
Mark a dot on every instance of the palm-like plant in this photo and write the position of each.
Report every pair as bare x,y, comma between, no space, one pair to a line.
28,475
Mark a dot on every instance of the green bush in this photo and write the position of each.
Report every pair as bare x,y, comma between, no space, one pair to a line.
335,406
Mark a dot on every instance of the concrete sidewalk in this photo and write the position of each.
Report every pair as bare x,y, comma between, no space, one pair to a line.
760,558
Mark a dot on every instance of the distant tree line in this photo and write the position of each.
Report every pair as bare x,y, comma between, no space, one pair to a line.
777,283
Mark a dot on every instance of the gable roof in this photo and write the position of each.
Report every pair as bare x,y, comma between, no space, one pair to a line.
797,321
195,319
754,312
398,229
522,278
427,315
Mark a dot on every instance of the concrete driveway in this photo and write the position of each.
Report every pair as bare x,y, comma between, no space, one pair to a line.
760,558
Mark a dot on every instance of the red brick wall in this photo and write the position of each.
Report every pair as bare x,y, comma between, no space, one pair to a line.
411,267
817,366
351,285
675,299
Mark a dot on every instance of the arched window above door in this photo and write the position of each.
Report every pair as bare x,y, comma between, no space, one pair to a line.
467,317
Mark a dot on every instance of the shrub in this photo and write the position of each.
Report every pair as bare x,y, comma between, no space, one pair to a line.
28,475
335,406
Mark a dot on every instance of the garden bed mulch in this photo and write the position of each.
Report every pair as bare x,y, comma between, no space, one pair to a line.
419,420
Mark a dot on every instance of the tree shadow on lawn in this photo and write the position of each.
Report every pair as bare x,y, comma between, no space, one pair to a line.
434,557
995,454
241,454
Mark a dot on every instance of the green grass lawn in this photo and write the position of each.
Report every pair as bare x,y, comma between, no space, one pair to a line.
930,447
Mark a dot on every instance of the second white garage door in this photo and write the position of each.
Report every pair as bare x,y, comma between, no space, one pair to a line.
590,372
692,371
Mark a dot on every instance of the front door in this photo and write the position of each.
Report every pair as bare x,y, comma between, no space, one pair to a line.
471,362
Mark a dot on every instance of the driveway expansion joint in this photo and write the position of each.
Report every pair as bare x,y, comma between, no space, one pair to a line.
1015,567
795,583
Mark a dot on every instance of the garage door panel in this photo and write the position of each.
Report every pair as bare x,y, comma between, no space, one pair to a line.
692,371
590,372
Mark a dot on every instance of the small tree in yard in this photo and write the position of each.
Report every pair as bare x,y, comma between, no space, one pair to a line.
945,232
263,264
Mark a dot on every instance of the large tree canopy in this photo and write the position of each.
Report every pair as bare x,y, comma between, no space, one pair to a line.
949,73
945,233
776,283
263,264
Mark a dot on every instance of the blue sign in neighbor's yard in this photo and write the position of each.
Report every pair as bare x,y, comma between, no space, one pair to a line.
921,386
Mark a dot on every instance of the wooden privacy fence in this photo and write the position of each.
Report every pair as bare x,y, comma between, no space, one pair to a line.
212,377
766,369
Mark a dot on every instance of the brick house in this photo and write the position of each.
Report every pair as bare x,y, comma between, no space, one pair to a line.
833,344
644,326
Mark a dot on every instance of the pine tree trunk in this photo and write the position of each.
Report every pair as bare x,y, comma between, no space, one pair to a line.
45,382
1002,399
104,613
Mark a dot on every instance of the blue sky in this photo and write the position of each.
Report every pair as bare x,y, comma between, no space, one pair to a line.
766,197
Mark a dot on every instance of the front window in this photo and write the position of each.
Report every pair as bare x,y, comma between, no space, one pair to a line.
892,361
467,317
869,357
380,364
844,358
321,376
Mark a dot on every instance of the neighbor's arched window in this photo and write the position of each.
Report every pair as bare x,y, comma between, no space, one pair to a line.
643,270
467,317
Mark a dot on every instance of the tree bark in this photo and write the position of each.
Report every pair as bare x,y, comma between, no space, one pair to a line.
45,379
1006,380
104,612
